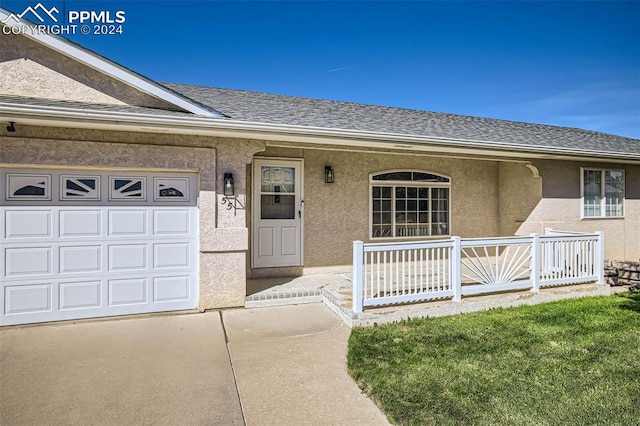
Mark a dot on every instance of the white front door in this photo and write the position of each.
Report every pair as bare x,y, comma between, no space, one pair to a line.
278,213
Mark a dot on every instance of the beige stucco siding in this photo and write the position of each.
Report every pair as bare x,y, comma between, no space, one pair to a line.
520,193
488,198
559,207
30,69
337,214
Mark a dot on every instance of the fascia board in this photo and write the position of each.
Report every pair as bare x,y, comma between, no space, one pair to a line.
111,69
149,123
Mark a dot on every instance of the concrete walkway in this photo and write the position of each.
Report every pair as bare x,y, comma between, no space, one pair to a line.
281,366
290,364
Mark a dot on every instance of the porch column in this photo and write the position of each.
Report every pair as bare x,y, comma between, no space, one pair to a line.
224,238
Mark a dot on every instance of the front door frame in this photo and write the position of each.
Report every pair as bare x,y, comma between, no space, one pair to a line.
298,164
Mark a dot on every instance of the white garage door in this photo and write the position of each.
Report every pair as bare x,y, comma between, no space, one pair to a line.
81,244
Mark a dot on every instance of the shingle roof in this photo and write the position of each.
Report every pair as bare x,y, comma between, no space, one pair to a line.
256,107
287,110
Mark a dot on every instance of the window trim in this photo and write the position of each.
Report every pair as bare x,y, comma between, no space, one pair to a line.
407,183
603,199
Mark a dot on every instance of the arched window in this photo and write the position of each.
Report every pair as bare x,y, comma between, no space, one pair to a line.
409,204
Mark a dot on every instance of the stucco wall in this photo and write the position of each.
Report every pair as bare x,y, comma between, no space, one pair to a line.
520,193
29,69
488,198
559,207
337,214
223,233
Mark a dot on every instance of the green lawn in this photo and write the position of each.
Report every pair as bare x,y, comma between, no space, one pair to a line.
573,362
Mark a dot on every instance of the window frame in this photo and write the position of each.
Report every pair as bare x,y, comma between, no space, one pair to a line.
603,198
408,183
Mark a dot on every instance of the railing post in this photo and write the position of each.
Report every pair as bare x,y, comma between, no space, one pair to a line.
456,269
599,260
358,257
535,263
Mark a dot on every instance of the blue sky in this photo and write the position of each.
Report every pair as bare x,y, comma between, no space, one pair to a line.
572,63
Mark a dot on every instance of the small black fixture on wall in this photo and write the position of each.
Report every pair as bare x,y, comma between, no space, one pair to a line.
229,188
329,175
229,192
11,128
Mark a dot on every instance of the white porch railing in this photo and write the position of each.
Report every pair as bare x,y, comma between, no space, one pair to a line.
389,273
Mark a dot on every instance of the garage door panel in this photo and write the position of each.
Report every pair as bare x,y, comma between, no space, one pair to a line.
171,255
28,224
67,256
32,298
80,259
171,222
28,261
80,295
127,257
80,223
128,292
124,223
169,289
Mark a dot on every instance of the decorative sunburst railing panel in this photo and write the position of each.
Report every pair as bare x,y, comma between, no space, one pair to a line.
501,266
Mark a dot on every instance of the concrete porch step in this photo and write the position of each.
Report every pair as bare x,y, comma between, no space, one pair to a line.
284,297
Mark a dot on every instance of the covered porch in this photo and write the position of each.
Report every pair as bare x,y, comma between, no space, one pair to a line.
419,279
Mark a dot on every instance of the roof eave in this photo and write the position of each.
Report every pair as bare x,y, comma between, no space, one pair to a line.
192,125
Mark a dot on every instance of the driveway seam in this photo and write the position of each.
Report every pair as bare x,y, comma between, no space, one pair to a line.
233,369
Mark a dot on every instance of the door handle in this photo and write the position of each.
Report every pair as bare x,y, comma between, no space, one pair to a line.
300,209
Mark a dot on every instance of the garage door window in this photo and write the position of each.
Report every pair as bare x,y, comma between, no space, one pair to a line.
28,187
127,188
76,187
171,189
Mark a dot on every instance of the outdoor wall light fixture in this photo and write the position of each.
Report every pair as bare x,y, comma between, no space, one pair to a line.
229,192
229,189
11,127
329,175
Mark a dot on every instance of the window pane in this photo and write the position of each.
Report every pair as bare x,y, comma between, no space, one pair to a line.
592,184
614,193
410,176
426,177
278,179
439,211
409,211
277,206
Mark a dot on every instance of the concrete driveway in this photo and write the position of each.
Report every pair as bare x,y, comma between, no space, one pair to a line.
265,366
